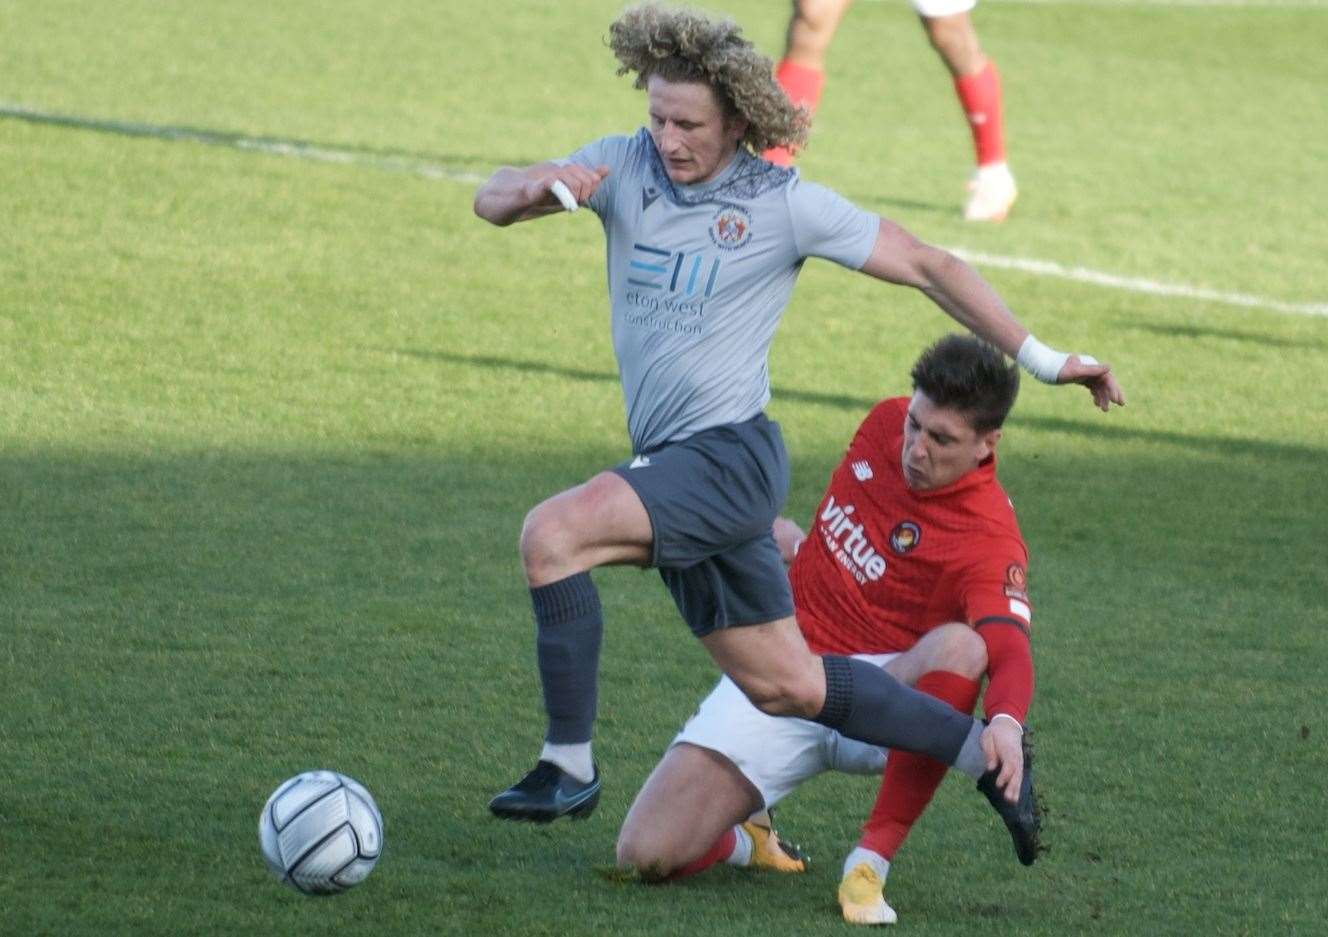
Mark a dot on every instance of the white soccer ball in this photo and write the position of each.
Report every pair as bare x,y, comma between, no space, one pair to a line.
320,832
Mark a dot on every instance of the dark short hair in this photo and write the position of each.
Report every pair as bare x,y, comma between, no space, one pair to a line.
969,375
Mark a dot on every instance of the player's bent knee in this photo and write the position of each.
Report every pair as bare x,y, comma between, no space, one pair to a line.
962,651
543,537
650,862
552,535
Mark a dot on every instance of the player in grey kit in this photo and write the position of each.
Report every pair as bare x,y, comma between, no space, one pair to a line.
705,240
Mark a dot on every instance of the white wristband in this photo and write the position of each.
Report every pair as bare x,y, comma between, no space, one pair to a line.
1006,716
564,194
1040,361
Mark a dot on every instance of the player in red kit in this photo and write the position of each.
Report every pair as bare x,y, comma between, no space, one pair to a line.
913,561
977,85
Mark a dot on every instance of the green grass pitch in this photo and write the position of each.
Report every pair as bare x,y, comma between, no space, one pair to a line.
269,426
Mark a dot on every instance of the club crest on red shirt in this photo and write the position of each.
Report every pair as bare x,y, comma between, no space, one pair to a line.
905,537
1016,582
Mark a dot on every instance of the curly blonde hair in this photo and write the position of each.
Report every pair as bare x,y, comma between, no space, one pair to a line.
685,45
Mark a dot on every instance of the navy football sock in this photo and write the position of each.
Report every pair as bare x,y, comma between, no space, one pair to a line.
864,702
569,626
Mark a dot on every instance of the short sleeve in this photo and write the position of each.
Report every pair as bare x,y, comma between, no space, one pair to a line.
825,224
995,587
614,152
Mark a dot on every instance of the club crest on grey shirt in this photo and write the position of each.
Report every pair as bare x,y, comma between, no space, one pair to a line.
699,276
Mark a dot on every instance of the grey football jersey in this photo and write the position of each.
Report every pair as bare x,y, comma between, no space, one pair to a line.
699,276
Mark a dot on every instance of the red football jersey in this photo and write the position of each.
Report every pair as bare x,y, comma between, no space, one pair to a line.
883,564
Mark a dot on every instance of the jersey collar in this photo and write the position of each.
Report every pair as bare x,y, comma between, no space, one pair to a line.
745,177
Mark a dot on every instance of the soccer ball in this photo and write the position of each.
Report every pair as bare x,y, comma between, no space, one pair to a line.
320,832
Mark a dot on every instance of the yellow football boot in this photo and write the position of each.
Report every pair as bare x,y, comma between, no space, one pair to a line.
862,897
771,852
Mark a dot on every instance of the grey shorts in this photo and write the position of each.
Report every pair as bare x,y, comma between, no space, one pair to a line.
712,499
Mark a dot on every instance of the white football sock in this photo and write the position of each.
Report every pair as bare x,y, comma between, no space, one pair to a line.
878,863
574,759
742,848
994,169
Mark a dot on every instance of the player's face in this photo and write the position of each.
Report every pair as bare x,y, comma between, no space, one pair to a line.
940,445
690,130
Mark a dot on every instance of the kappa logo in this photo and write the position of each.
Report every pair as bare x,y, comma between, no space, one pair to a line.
641,461
648,197
862,470
731,227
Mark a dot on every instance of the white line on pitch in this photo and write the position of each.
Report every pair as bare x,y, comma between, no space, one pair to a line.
431,170
1048,268
273,145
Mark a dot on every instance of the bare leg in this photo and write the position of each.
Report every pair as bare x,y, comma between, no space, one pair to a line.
772,665
953,647
956,42
811,29
691,798
599,523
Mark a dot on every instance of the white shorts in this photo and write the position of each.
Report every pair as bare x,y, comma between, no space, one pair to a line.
776,753
935,8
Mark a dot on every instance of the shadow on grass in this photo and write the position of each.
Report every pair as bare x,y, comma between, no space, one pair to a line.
380,157
389,158
250,535
1234,335
1095,429
235,617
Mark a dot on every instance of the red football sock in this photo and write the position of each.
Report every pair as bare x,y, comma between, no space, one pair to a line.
980,96
803,87
910,780
801,84
720,850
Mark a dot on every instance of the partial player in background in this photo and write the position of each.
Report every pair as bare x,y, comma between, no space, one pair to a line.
948,25
914,563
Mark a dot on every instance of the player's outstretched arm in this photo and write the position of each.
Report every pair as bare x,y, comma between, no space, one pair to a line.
899,257
1008,695
519,194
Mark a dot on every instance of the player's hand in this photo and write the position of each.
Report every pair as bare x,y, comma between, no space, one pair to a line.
1099,380
787,537
1002,743
581,182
